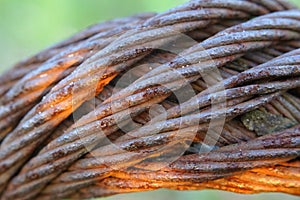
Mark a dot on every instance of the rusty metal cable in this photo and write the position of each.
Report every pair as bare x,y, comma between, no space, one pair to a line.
195,168
151,33
143,139
243,25
282,178
10,77
72,72
27,91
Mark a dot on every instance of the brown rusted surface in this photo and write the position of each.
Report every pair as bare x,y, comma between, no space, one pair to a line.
48,156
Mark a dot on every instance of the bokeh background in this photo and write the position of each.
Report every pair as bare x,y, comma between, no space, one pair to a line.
28,26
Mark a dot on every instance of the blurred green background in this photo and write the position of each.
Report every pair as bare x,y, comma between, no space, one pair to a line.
27,26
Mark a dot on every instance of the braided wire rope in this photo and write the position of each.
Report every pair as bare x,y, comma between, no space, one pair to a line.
72,72
110,155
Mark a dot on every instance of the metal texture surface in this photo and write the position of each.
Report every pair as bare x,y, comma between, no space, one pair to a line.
253,44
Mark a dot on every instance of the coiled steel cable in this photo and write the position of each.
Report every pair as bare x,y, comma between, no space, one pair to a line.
187,170
187,17
27,91
284,27
91,167
267,18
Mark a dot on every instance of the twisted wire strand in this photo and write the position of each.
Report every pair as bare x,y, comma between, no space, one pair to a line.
55,145
112,155
163,58
235,94
199,34
27,91
38,123
160,57
282,178
248,75
188,170
134,86
13,75
79,151
160,20
84,165
10,77
79,37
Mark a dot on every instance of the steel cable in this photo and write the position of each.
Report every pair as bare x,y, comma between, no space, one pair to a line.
267,17
72,72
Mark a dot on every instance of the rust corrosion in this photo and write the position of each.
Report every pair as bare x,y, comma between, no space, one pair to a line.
103,67
254,46
145,139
